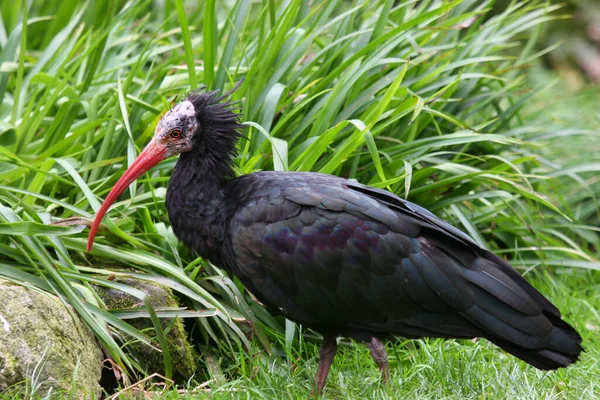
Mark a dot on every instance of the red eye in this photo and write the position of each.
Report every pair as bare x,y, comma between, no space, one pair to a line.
175,134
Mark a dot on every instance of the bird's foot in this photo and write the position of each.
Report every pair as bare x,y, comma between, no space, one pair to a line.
327,354
380,357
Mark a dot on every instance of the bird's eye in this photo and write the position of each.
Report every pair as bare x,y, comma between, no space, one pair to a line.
175,134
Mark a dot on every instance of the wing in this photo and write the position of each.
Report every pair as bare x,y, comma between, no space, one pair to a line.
333,254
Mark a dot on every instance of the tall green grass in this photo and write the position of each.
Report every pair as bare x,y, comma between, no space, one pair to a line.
423,98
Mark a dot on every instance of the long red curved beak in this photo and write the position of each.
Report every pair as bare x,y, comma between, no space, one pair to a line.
152,154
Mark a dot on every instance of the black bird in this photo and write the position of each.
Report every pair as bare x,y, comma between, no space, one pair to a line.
339,257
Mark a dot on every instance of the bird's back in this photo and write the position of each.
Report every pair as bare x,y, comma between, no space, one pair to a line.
339,256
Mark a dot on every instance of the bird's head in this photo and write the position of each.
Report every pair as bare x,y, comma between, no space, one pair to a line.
175,131
203,123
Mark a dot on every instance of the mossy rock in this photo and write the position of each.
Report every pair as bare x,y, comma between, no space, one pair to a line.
183,355
41,342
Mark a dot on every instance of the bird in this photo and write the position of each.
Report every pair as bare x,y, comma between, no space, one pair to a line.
339,257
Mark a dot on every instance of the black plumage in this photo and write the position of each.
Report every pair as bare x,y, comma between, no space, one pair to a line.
346,259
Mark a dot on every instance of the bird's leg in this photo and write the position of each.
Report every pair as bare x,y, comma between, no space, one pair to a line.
380,357
326,356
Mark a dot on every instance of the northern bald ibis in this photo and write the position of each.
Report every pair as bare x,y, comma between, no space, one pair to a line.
339,257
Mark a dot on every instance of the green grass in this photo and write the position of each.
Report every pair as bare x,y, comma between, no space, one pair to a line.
423,369
428,99
431,369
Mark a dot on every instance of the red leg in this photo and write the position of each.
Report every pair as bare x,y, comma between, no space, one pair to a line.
380,357
327,354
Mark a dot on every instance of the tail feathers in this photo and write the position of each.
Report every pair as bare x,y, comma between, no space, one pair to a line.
523,330
564,348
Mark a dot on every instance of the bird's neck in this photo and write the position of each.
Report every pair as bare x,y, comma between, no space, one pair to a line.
196,206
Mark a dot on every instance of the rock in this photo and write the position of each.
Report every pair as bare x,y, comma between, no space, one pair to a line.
183,355
41,341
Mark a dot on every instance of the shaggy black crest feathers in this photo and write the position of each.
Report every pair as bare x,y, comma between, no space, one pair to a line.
215,141
212,111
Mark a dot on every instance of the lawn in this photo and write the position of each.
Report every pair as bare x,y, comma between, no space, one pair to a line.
434,368
444,103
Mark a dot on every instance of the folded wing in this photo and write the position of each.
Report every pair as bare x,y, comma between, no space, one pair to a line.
337,255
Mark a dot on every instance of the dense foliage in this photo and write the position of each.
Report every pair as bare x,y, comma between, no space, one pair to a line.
424,98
